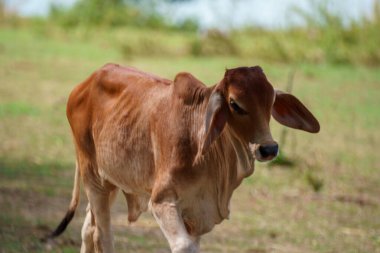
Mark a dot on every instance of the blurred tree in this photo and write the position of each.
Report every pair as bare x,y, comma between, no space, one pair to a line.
2,10
141,13
92,12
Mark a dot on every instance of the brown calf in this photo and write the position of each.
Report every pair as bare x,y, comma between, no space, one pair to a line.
177,147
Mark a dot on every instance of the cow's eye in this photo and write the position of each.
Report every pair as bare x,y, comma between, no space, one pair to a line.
237,108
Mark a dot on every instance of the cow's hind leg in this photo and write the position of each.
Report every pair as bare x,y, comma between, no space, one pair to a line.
88,232
96,230
88,228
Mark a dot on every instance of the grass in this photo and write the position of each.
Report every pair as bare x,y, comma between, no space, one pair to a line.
326,202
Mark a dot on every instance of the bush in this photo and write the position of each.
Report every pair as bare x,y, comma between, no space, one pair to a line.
114,13
95,13
214,42
325,39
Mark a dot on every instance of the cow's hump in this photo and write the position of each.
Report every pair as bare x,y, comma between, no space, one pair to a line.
188,88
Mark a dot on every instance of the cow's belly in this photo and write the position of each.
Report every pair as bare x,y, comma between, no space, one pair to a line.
125,159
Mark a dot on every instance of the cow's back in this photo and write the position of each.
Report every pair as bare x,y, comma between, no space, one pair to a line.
110,116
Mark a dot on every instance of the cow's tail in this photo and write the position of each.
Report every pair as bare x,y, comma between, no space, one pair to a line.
73,206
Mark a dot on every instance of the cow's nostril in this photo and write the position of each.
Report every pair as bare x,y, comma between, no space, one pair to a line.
268,150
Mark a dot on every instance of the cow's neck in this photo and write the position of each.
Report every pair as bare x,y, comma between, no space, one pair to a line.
228,161
244,159
228,146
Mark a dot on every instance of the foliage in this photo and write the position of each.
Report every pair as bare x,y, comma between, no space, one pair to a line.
114,13
214,43
135,28
96,13
342,42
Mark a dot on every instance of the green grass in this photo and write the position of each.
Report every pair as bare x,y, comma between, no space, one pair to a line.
275,210
17,109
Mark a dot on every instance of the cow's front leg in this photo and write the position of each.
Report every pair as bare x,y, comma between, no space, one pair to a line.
171,223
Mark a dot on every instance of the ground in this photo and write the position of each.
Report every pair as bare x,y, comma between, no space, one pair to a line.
326,200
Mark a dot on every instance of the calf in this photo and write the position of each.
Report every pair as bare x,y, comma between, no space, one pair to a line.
177,147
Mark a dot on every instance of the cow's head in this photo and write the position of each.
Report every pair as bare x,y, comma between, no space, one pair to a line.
245,100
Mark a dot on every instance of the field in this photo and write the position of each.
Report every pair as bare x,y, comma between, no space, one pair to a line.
326,200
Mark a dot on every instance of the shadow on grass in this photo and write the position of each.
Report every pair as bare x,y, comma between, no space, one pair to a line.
31,195
33,200
22,169
283,161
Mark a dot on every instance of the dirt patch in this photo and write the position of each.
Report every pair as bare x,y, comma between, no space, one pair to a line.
358,200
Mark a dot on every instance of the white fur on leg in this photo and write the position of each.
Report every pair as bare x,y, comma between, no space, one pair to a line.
87,233
171,224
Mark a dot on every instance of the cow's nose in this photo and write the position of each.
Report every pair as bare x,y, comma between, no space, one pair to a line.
269,150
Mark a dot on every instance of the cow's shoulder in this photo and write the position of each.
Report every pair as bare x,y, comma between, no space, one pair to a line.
188,88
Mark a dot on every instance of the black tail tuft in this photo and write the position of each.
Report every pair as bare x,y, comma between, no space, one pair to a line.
62,226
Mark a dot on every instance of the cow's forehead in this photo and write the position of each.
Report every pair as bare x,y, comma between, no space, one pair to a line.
248,79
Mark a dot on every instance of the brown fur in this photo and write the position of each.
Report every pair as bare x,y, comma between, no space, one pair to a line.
177,145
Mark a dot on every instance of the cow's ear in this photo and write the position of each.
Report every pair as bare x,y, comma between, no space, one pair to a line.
289,111
217,114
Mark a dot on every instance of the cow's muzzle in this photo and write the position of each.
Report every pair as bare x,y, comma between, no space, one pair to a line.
264,152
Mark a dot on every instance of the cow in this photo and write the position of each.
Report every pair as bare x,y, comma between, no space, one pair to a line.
177,148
